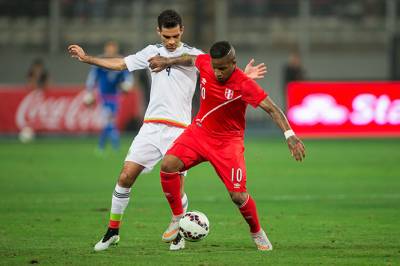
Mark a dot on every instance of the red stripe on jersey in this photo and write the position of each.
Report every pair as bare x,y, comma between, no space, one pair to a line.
215,108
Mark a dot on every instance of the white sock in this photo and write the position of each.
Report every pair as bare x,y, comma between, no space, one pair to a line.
120,199
185,203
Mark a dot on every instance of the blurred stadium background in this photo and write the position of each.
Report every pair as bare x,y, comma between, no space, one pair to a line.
341,206
336,40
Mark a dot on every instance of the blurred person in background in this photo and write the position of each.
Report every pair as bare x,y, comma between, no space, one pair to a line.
293,70
38,77
108,84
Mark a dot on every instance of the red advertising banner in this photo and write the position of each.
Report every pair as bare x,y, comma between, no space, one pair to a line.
344,109
60,109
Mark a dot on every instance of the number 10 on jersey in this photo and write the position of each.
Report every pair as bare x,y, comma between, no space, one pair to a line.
236,175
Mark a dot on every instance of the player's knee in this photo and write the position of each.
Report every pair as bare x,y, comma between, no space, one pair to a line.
125,179
129,173
171,164
238,197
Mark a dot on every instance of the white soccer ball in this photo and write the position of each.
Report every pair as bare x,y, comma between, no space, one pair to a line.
194,226
126,86
88,98
27,134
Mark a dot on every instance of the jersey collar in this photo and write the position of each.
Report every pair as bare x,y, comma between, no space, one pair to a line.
177,50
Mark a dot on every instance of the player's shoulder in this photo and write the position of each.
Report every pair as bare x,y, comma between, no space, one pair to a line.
240,78
202,61
240,75
191,49
151,49
188,47
154,47
204,57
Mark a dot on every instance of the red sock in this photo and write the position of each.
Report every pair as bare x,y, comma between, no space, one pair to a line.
114,224
171,183
249,212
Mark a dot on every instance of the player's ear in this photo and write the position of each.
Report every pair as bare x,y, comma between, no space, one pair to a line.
182,29
158,31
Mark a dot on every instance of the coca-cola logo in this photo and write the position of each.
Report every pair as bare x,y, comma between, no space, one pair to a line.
69,113
366,108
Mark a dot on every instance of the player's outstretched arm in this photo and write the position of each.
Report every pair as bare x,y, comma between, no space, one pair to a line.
158,63
255,72
110,63
295,145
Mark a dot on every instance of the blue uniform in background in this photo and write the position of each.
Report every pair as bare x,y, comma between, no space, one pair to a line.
108,83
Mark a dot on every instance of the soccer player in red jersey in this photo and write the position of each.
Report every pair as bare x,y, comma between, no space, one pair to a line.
217,134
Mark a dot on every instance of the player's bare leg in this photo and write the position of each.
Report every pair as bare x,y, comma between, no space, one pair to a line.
120,200
247,208
170,173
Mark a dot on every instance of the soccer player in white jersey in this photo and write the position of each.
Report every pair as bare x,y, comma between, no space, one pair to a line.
167,115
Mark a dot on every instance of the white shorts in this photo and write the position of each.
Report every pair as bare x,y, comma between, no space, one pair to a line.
151,143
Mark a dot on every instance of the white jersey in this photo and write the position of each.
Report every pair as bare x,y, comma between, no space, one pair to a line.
171,89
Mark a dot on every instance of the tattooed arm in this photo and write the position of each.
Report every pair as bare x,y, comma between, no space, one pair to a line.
295,145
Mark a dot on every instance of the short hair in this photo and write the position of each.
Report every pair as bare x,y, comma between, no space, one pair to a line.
169,19
220,49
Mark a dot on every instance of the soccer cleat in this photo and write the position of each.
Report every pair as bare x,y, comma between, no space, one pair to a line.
261,241
172,230
178,243
110,238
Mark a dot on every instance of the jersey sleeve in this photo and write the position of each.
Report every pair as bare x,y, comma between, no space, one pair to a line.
201,60
252,93
139,60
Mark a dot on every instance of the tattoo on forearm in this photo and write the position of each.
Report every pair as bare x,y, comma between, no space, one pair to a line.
188,60
280,119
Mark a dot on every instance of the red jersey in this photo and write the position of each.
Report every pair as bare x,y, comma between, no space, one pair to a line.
223,105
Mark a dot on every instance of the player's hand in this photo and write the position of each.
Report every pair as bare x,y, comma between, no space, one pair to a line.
255,72
77,52
158,63
296,148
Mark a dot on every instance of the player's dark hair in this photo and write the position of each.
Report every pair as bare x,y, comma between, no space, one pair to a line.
169,19
220,49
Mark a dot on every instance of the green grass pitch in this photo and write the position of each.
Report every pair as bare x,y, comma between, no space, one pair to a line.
341,206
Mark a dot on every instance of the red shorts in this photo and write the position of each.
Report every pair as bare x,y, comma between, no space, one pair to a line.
226,154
